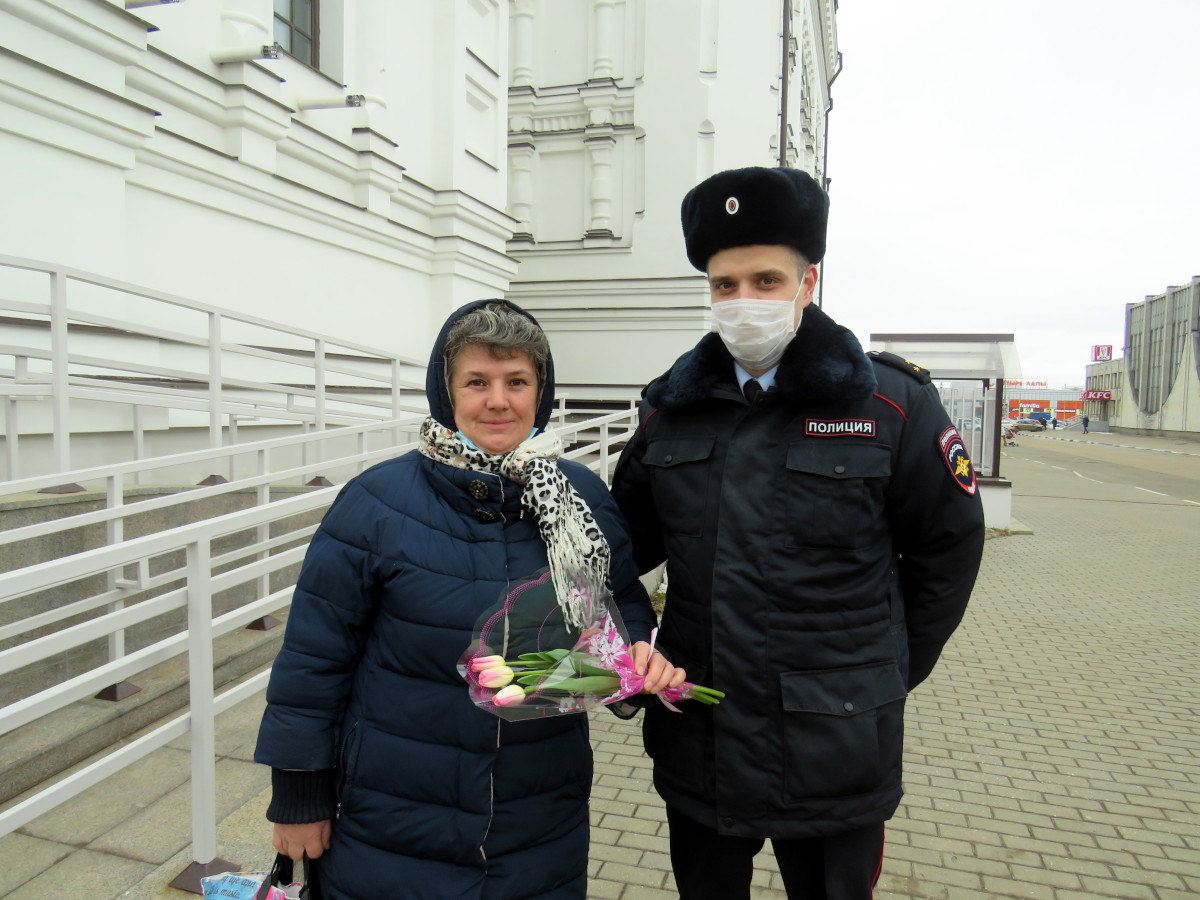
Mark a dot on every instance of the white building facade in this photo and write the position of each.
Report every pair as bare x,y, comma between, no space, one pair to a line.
616,109
361,195
359,168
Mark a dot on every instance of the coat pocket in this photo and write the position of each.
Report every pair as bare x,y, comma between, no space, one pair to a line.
680,472
843,730
834,492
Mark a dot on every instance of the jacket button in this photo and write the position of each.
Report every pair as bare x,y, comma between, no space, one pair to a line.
727,821
668,458
478,490
848,706
838,470
485,516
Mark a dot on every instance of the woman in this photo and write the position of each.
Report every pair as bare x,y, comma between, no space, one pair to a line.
366,711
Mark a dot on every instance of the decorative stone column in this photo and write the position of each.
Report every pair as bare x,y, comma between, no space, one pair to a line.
600,186
521,159
603,13
522,43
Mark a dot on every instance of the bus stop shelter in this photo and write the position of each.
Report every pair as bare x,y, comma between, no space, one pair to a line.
969,371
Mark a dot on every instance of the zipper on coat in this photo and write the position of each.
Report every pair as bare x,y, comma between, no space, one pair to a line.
492,773
491,798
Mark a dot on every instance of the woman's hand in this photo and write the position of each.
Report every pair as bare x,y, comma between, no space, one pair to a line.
660,674
297,840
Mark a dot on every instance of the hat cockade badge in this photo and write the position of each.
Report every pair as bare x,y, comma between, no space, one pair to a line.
732,206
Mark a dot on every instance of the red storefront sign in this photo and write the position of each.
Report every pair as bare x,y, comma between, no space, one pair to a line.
1097,395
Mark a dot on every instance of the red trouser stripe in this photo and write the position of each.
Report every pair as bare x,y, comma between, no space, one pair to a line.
879,865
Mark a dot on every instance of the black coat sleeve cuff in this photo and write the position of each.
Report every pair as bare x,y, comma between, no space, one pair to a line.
299,797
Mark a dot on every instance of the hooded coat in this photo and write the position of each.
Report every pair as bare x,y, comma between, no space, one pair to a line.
435,797
821,544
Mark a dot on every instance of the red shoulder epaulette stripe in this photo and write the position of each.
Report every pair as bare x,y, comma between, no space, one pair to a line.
893,405
649,416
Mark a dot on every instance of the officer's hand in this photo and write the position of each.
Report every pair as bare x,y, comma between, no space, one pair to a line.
660,674
297,840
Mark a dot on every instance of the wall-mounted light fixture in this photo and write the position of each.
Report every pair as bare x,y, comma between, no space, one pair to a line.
245,54
331,101
339,101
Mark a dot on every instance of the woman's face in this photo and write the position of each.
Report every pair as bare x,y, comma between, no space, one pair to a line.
495,400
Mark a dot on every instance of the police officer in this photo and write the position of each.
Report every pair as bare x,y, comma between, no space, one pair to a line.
820,521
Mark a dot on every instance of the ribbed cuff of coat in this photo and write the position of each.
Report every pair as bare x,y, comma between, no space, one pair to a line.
299,797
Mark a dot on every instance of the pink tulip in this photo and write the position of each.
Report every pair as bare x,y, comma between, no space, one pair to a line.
495,677
513,695
486,662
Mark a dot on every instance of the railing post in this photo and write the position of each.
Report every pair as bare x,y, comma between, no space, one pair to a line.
12,433
604,454
10,440
395,388
202,721
139,441
262,534
233,439
214,380
319,382
115,578
60,384
116,533
306,428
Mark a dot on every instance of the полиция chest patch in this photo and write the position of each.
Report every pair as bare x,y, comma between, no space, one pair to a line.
839,427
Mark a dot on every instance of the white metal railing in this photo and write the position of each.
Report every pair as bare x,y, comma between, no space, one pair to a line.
114,479
594,437
60,341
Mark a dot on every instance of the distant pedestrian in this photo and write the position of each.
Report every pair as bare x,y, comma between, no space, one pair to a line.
1054,424
1085,424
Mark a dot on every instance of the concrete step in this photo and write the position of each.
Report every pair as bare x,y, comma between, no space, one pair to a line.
43,749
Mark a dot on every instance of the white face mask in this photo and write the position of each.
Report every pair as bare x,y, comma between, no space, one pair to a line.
756,332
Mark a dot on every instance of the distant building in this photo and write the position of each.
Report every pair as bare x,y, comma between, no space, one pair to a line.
1156,386
1030,398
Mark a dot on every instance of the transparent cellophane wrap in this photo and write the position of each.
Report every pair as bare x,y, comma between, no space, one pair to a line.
560,668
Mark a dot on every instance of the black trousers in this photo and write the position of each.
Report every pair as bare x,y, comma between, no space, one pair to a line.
712,866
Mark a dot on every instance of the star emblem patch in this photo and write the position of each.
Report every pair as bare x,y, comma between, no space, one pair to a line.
954,452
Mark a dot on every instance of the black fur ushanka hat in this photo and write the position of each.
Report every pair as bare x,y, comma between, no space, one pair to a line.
755,205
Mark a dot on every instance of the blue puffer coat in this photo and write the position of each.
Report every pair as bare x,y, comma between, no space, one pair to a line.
438,799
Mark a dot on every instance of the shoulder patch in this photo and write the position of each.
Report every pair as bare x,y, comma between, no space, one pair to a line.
954,452
904,365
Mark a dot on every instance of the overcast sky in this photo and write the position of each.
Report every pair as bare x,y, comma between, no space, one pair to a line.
1014,166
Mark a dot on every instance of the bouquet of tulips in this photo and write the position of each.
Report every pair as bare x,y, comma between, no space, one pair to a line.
527,662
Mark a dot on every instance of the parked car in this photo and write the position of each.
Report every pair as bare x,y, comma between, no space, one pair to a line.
1026,424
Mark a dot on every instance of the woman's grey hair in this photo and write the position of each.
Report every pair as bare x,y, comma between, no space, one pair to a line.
504,332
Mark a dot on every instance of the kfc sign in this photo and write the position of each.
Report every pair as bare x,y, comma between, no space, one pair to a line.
1097,395
1102,353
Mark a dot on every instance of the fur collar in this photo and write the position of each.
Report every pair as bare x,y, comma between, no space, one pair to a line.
825,362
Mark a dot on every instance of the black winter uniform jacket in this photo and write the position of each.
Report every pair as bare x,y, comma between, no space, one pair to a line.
821,545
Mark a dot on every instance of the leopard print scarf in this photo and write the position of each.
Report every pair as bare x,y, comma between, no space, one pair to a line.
575,545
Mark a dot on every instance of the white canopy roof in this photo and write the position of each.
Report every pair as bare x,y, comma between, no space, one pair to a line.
955,356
